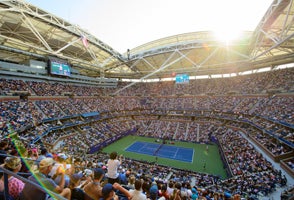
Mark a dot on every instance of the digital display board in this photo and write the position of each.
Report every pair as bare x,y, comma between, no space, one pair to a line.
182,78
58,66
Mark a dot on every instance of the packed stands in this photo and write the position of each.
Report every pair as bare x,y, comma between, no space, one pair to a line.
71,119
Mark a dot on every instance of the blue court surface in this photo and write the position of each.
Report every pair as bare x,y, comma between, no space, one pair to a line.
161,150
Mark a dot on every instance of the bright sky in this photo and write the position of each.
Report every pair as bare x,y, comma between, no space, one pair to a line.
126,24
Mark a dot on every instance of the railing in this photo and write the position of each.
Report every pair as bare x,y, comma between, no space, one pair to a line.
25,180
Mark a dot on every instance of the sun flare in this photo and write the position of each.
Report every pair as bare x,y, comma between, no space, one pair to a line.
227,35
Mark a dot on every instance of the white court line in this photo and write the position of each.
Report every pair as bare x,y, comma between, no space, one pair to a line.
176,152
130,145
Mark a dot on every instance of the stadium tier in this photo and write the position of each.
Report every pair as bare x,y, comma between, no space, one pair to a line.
189,116
84,126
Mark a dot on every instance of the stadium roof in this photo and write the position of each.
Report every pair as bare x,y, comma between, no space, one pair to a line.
28,32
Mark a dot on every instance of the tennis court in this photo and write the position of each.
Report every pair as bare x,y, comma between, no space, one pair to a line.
162,150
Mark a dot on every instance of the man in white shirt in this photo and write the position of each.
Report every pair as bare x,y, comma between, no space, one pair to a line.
137,193
112,166
170,188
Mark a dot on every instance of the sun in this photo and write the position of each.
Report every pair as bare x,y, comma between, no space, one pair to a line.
226,29
227,34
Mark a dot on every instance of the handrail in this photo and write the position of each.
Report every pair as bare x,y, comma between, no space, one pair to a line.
25,180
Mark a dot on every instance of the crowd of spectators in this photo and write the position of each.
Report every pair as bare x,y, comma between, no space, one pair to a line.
254,176
258,83
212,116
17,115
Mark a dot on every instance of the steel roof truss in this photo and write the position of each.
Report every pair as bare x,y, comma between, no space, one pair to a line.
191,61
68,44
274,39
278,36
29,24
162,67
274,46
146,61
285,28
133,66
208,57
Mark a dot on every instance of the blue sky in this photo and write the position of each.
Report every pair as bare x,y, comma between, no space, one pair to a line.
125,24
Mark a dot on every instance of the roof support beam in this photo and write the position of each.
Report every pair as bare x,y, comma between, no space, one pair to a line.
162,67
86,65
134,65
274,46
191,61
148,63
275,40
68,44
285,29
208,57
29,24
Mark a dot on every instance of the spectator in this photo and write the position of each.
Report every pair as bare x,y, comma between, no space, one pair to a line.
123,177
153,192
77,193
113,164
170,188
15,186
108,192
137,193
194,194
131,182
164,191
61,164
42,156
45,166
3,147
94,188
